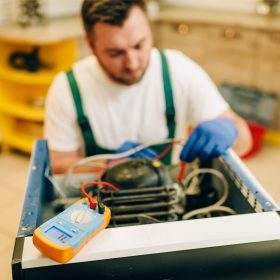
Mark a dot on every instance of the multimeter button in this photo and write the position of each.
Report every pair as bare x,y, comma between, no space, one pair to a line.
74,230
59,222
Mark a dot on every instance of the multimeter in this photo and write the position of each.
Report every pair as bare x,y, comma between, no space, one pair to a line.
63,236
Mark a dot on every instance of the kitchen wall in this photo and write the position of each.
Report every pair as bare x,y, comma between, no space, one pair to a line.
51,8
64,7
246,6
6,12
9,8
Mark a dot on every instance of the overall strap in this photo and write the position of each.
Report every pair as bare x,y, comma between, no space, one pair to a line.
169,108
91,147
169,103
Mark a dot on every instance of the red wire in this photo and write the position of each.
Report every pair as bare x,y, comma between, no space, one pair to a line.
158,157
165,151
102,171
91,200
182,171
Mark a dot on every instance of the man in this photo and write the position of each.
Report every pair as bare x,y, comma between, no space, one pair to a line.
121,91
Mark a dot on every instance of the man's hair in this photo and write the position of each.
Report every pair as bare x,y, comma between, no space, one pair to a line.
113,12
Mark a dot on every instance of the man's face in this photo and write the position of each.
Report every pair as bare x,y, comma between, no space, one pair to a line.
123,51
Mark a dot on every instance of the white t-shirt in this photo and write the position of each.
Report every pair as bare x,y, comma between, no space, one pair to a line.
118,113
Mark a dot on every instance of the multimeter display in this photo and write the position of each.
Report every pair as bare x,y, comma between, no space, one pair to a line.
63,236
58,234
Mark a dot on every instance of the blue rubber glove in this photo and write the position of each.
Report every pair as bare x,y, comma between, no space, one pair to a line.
209,139
146,153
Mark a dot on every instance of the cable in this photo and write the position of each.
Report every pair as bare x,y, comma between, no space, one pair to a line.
160,156
87,160
182,171
204,211
54,183
121,155
91,200
165,151
216,205
66,182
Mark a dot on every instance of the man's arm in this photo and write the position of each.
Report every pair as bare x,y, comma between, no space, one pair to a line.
243,142
61,161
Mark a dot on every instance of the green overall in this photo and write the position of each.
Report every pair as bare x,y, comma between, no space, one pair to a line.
91,147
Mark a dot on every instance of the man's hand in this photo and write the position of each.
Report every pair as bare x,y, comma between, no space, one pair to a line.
146,153
209,139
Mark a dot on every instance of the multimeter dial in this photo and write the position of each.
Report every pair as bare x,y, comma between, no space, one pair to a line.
80,216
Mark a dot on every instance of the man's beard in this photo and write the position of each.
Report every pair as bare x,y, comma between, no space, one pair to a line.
123,80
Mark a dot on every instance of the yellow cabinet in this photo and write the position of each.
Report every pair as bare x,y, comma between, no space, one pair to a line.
23,90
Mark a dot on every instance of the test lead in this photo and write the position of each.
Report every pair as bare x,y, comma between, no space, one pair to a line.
101,207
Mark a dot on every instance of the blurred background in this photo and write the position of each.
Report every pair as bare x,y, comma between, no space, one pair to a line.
236,41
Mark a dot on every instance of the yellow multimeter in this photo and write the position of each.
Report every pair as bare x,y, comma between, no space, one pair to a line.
63,236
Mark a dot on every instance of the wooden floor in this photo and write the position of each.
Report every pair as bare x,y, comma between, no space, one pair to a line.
13,176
